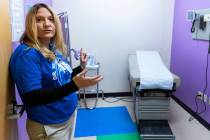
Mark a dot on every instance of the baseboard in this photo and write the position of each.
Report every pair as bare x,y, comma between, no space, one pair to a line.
110,94
189,110
122,94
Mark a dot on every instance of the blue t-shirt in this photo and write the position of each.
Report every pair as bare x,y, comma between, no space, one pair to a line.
31,71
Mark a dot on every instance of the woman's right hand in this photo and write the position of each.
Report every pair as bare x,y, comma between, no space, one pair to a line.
83,81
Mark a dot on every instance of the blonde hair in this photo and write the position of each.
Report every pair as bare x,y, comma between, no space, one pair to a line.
30,36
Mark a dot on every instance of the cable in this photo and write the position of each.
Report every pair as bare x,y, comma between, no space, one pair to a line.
193,23
205,88
121,99
193,26
206,78
117,99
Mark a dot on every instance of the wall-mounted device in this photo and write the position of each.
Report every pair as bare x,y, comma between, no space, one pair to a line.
207,17
191,15
200,19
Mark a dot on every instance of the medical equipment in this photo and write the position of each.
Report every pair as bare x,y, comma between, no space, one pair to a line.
93,68
91,60
151,106
191,15
76,53
200,23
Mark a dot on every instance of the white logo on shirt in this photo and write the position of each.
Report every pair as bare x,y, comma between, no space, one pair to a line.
62,71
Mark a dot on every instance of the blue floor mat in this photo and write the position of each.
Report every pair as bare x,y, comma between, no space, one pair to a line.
103,121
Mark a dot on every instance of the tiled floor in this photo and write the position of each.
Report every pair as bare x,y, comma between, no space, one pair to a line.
178,120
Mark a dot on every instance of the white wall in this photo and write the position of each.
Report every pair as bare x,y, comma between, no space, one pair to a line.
111,29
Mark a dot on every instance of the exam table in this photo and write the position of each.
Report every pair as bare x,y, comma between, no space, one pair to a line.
151,106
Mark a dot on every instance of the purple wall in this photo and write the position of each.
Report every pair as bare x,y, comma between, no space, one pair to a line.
22,134
188,57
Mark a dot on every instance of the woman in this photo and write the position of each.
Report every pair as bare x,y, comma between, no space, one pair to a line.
45,81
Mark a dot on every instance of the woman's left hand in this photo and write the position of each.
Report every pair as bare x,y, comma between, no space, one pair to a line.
83,59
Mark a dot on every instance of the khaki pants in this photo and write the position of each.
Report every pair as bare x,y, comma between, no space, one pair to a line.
37,131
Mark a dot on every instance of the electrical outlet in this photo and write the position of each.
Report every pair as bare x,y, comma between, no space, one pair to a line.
200,95
205,98
209,100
